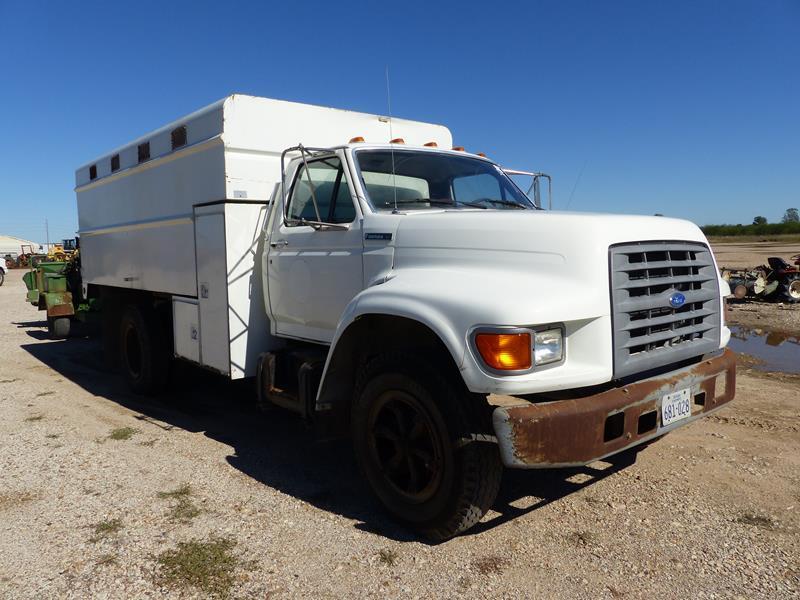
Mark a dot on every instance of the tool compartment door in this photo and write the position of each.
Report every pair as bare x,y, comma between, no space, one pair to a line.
212,289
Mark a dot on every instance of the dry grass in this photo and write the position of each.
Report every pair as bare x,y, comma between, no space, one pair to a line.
12,499
33,418
490,564
207,565
756,520
389,557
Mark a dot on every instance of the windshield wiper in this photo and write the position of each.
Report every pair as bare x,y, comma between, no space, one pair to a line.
480,203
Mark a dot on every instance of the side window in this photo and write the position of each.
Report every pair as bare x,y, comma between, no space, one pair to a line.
330,189
476,187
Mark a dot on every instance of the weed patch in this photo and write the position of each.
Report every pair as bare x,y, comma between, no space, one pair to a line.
122,433
184,509
104,529
208,565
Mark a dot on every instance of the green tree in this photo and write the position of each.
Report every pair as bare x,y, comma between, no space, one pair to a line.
791,216
759,220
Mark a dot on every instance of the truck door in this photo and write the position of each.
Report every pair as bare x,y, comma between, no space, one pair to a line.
313,272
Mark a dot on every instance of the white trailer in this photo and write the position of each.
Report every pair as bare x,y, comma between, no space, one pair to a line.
403,293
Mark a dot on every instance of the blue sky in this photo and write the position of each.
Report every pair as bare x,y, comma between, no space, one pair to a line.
684,108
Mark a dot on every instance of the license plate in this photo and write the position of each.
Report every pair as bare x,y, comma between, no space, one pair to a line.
675,407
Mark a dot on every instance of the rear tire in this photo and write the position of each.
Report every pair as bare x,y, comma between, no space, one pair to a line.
58,327
412,432
144,357
2,276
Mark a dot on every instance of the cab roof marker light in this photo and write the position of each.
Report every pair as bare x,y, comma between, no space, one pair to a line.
397,141
356,140
481,154
458,148
431,145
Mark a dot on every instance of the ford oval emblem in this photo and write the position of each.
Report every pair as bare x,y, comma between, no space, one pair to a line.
677,300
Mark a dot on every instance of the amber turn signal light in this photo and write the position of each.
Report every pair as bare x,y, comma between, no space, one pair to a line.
505,351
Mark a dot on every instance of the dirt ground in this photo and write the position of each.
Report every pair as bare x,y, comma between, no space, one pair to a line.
107,495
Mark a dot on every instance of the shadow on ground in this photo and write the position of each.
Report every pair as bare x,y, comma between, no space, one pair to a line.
277,448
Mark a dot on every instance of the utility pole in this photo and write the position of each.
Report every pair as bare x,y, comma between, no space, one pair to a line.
47,233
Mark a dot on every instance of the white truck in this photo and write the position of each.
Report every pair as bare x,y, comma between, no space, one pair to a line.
406,294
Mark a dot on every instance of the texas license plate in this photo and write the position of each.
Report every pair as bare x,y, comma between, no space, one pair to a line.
676,406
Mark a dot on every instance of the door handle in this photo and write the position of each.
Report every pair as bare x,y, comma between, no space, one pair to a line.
279,243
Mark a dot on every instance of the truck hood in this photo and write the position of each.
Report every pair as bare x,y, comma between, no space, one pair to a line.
566,237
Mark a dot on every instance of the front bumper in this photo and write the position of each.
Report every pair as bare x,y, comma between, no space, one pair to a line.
581,430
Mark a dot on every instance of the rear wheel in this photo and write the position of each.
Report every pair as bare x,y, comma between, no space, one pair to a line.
144,356
2,276
58,327
790,291
412,431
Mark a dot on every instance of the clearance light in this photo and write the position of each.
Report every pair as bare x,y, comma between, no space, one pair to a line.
397,141
432,145
481,154
356,140
458,148
505,351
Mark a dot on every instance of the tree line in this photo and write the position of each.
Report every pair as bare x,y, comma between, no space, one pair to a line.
790,224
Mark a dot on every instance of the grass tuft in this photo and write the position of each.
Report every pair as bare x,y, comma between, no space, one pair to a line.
208,565
40,394
34,418
389,557
104,529
122,433
180,492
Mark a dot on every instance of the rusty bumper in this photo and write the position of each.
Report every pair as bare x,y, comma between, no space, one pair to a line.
578,431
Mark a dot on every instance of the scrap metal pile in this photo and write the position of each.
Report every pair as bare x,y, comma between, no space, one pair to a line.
777,281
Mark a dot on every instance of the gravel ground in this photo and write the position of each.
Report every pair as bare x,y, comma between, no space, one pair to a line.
92,504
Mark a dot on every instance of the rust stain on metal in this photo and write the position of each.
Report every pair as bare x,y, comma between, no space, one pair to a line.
572,431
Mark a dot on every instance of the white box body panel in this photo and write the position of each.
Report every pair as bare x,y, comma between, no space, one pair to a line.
186,325
135,222
234,328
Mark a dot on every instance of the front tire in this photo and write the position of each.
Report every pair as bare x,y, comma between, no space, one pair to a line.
790,291
143,351
412,432
58,327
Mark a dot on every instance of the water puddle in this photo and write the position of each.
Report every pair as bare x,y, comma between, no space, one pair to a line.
776,351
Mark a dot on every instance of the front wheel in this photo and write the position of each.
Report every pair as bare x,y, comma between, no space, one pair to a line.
412,432
790,291
58,327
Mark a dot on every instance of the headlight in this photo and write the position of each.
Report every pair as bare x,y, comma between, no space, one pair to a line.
548,347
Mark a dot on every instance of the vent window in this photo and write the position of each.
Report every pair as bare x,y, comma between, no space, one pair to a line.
115,163
179,137
92,172
144,152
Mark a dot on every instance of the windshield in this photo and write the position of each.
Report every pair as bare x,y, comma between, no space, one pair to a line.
432,180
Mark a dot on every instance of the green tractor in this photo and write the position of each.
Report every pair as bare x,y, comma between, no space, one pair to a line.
48,290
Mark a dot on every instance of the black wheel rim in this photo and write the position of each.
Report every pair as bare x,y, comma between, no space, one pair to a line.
133,352
406,446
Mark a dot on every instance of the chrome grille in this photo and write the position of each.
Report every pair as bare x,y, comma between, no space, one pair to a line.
648,331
